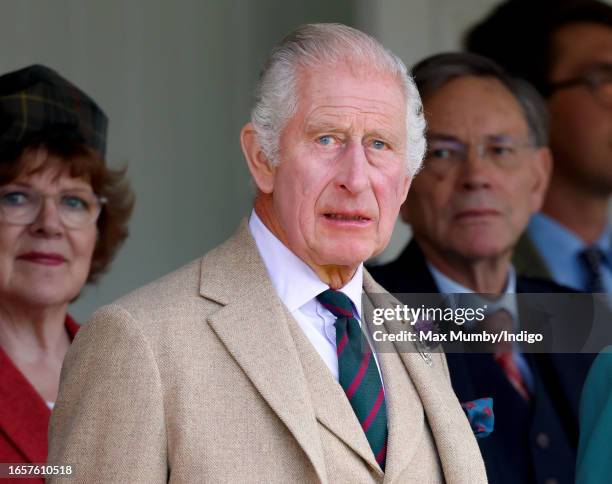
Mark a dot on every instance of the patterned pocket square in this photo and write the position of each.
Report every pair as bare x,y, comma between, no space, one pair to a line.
480,414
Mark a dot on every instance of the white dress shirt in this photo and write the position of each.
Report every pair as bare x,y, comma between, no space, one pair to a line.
297,286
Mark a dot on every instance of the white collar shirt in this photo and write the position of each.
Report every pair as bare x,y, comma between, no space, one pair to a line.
297,286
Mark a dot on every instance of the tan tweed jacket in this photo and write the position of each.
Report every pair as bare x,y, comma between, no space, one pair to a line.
203,376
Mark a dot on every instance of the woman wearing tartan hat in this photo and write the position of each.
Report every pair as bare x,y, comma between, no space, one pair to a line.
63,216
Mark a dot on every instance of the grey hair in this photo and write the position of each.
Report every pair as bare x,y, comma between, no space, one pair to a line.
434,72
310,46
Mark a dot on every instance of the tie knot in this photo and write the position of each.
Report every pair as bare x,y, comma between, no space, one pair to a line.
336,303
592,257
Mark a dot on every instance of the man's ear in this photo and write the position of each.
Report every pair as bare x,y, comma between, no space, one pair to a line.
261,168
542,170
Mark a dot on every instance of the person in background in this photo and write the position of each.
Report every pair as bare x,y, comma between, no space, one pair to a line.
63,216
249,364
564,48
594,464
485,172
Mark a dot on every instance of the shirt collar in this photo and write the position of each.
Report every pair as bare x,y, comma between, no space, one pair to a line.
446,285
294,281
545,230
604,243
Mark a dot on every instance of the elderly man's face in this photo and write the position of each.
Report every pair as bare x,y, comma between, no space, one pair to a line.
481,179
342,175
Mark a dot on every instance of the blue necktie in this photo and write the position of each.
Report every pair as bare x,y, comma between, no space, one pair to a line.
592,259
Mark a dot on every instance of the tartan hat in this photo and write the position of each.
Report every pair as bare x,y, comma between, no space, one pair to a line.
36,99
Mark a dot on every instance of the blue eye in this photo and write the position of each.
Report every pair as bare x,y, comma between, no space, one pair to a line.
74,203
325,140
379,145
14,198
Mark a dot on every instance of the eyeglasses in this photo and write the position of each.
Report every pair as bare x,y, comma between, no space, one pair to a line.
76,208
598,81
446,155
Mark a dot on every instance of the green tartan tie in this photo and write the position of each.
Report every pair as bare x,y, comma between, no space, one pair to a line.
358,373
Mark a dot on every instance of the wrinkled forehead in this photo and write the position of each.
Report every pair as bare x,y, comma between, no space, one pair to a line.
331,78
329,92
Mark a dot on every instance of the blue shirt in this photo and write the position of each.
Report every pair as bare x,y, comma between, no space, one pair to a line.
560,249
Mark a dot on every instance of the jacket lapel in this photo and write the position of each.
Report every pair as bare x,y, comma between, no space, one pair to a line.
527,260
405,417
459,453
252,325
407,274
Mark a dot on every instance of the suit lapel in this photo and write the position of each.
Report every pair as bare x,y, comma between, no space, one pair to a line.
252,325
459,453
407,274
405,418
527,260
534,320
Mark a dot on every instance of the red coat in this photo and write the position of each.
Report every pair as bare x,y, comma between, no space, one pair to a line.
24,415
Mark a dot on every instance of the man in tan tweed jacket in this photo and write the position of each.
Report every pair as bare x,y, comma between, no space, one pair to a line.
226,370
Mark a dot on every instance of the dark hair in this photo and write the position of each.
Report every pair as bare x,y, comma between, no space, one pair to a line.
84,162
518,34
434,72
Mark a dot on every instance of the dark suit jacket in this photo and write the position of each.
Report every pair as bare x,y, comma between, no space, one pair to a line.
24,415
532,441
528,261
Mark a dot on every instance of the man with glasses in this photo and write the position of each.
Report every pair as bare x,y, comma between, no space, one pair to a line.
486,171
565,50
